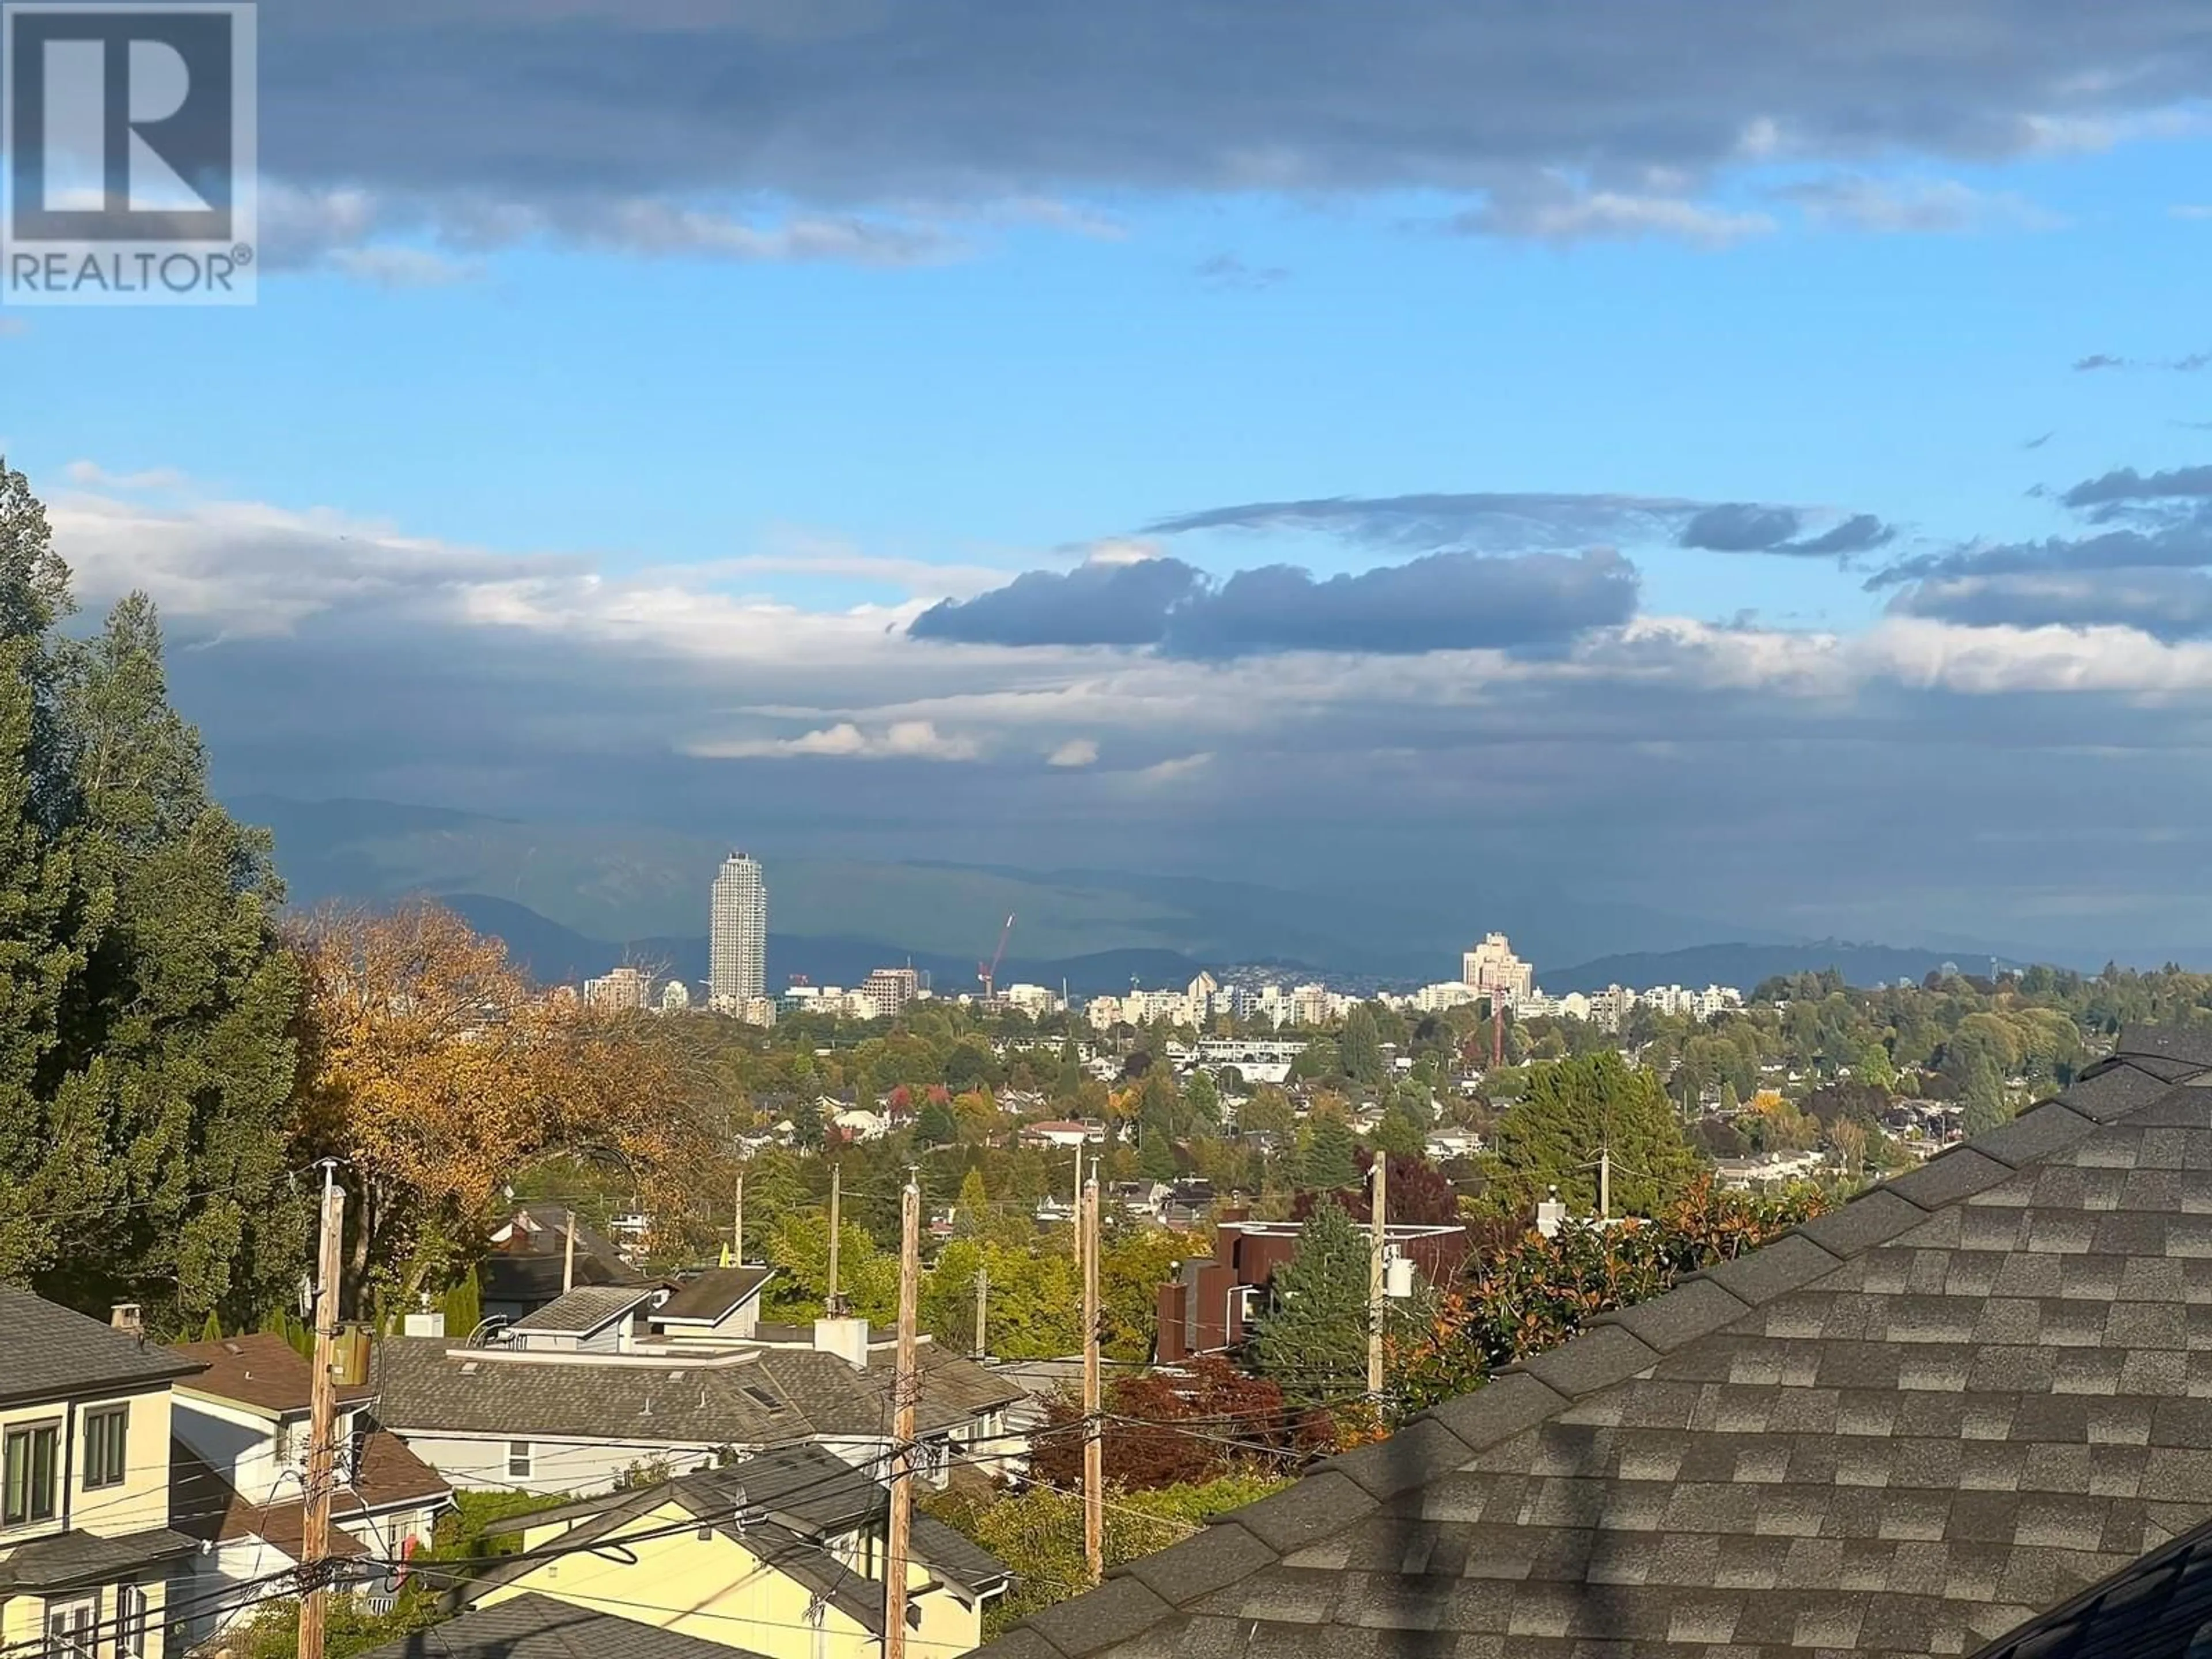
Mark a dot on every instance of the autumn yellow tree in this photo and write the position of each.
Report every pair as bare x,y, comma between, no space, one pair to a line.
437,1074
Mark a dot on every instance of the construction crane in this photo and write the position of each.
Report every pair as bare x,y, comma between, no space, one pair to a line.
989,972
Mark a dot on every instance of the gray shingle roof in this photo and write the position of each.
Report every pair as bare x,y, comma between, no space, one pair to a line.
533,1626
429,1383
770,1397
1972,1394
51,1351
584,1310
713,1293
70,1559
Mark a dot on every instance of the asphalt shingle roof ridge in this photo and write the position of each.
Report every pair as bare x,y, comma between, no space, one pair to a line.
1340,1492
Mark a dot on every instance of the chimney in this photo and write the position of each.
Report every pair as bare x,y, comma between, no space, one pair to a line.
845,1337
431,1322
1551,1215
125,1316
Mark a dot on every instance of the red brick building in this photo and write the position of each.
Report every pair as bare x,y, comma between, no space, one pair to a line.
1210,1305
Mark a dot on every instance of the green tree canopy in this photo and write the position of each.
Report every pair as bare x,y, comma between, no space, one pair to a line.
146,1002
1570,1111
1329,1156
1313,1339
1361,1046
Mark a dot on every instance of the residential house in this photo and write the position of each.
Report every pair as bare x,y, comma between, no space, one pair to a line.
239,1431
1188,1204
541,1251
1445,1144
88,1542
583,1416
857,1123
533,1626
1763,1169
1063,1134
783,1553
1210,1305
719,1306
1965,1413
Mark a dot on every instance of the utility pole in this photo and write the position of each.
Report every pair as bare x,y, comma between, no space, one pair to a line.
1379,1174
835,1306
738,1225
322,1398
1605,1183
906,1384
568,1251
982,1308
1094,1450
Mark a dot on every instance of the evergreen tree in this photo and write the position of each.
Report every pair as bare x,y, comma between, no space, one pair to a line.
1201,1098
1571,1111
1328,1158
1398,1134
1361,1048
1313,1338
1156,1152
972,1209
934,1126
146,1005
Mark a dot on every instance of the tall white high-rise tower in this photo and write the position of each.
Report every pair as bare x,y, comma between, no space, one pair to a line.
737,949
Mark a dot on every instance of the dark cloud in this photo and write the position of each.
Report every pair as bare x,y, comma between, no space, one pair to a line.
1226,270
2178,547
2038,443
1445,602
1740,528
1442,602
2169,603
1861,533
2127,485
876,102
2188,365
1744,527
1498,522
1094,604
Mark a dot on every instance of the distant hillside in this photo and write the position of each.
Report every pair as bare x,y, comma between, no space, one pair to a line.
1745,965
614,882
554,955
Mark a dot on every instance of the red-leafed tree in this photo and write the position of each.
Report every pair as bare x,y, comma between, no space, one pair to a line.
1165,1429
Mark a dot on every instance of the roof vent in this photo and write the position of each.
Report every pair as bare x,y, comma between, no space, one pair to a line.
125,1316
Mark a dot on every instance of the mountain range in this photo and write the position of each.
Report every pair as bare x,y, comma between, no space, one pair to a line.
572,900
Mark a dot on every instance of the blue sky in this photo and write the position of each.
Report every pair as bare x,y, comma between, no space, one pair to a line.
593,459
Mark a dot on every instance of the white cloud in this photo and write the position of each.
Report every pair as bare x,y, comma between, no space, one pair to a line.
1563,212
1174,770
1121,550
1077,751
1915,206
902,741
402,267
92,476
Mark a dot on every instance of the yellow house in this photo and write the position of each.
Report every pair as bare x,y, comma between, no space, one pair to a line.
86,1549
781,1554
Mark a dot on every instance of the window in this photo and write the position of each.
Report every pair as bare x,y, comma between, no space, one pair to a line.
130,1622
28,1460
105,1431
69,1627
517,1460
